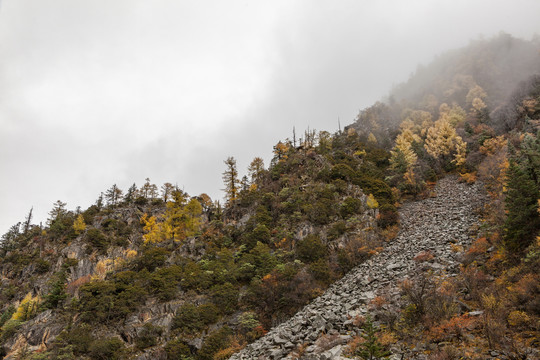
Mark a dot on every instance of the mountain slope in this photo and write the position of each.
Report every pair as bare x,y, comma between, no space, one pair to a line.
434,226
154,273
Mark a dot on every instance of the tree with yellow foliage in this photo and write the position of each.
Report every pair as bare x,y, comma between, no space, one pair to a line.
153,230
181,220
415,120
79,225
280,151
442,141
475,93
27,308
403,156
192,212
454,115
461,152
371,202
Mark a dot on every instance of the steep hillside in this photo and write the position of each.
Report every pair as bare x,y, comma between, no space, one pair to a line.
150,275
154,273
422,255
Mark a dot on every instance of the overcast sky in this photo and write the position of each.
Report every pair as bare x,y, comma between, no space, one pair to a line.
101,92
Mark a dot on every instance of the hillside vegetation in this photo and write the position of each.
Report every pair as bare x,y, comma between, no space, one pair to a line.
153,273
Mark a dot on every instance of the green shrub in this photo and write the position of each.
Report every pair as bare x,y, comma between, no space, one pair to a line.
105,301
225,297
109,224
350,206
9,329
141,200
310,249
321,211
214,342
259,234
151,259
6,315
208,313
177,349
106,349
148,336
187,319
262,215
388,216
371,348
380,189
42,266
191,319
379,157
90,213
97,239
9,292
342,172
79,338
194,277
57,291
164,282
336,230
521,205
321,271
260,260
62,227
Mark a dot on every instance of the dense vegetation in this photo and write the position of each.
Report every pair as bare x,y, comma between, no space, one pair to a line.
284,235
183,277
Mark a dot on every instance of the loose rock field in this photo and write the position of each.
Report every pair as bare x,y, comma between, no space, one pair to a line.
437,224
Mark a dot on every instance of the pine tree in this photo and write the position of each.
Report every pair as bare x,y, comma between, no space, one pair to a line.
149,190
403,151
131,194
166,191
58,210
99,201
255,170
230,179
371,348
112,195
521,203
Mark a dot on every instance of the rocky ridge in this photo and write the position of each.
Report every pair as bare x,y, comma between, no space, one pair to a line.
438,224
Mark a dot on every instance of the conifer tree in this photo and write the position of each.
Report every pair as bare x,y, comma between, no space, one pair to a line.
255,170
244,183
522,221
230,179
166,191
371,348
131,194
403,151
58,210
149,190
112,195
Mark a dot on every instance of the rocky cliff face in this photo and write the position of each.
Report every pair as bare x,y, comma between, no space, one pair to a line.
435,226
